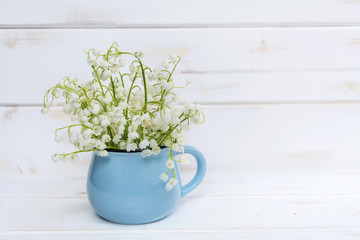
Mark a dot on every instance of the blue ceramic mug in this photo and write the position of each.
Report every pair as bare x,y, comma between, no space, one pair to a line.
125,187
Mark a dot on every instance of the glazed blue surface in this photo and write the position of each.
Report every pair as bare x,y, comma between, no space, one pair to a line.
126,188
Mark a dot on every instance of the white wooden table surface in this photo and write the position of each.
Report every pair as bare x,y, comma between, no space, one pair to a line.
280,85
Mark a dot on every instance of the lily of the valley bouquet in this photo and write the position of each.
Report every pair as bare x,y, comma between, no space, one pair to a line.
127,107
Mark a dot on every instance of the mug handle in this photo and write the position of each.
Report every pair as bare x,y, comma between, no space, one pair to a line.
200,172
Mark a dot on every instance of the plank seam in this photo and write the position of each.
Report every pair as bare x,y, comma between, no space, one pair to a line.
180,26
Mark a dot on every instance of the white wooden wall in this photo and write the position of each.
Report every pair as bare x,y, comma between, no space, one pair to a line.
280,81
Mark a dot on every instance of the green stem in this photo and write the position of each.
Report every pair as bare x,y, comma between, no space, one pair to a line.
98,79
113,90
79,151
175,65
95,99
144,80
122,80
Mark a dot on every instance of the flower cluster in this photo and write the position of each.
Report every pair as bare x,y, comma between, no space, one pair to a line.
134,109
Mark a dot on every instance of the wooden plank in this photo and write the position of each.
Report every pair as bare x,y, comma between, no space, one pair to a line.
248,137
228,65
160,13
239,183
179,235
192,214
